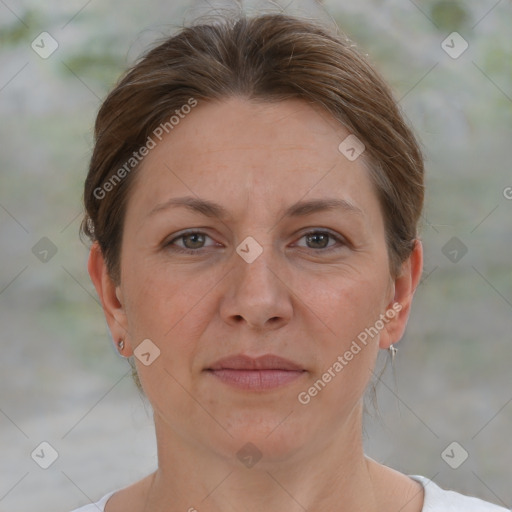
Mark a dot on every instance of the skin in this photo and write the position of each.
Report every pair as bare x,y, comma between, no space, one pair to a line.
297,300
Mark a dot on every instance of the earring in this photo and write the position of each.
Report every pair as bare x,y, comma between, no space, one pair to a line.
120,345
392,350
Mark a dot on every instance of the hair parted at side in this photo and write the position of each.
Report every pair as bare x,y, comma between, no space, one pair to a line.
268,57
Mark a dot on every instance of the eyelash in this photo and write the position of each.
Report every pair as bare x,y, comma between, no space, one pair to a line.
182,250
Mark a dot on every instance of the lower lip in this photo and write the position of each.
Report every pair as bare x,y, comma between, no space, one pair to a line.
256,379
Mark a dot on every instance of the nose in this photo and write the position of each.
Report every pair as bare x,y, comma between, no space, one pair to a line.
257,294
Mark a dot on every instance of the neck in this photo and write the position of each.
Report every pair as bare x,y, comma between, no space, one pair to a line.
331,475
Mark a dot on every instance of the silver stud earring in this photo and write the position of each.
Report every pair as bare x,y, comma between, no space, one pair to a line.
392,350
120,345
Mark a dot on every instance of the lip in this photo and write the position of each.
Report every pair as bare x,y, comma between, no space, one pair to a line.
265,362
261,373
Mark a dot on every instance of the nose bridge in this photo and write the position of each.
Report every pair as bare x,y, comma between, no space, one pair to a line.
256,266
257,293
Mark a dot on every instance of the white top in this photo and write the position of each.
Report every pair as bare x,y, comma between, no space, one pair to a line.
436,500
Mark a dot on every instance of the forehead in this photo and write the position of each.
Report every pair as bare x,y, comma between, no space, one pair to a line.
239,124
240,152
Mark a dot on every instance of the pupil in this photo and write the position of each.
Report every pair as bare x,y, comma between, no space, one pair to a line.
195,235
323,236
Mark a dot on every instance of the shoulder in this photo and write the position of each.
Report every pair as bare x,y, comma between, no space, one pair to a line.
95,507
441,500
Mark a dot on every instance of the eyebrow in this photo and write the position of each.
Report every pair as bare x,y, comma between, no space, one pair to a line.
298,209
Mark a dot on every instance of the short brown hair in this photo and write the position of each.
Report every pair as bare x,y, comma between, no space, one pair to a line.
269,57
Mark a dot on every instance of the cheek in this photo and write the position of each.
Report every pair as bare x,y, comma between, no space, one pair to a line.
348,304
156,299
350,309
165,311
167,308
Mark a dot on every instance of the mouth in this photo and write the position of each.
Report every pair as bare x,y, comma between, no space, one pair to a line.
262,373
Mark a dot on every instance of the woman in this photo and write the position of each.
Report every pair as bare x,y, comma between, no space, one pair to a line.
253,199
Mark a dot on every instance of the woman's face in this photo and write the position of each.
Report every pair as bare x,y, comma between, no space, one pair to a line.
263,275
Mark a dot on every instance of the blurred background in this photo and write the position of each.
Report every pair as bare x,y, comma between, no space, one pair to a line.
63,383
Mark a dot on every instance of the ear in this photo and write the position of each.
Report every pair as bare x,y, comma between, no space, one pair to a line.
405,285
110,296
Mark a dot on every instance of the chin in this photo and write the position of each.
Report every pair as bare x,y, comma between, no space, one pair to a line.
275,436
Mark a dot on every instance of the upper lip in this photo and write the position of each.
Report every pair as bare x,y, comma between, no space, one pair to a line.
266,362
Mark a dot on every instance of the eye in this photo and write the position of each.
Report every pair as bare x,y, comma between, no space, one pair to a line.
319,239
192,242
